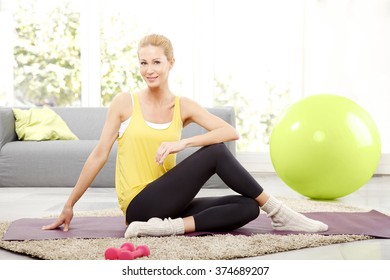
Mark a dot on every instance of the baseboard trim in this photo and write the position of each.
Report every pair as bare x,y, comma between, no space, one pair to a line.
261,163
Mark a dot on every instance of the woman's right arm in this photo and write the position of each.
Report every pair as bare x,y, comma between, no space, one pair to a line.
95,161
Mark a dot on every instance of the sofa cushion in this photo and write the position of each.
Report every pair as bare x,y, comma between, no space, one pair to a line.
86,122
40,124
7,126
50,163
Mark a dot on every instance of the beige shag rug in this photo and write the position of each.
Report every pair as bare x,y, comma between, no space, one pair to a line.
217,247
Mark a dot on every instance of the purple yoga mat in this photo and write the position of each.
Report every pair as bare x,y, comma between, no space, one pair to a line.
81,227
371,223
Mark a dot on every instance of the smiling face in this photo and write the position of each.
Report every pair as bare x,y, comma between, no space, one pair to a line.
154,66
155,54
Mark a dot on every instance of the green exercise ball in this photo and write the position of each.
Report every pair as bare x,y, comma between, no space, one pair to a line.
325,146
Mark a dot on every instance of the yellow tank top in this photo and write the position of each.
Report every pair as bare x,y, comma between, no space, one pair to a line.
135,163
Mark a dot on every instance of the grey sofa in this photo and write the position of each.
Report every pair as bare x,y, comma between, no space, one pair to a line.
58,163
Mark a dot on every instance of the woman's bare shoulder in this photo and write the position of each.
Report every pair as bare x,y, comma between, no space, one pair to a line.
122,97
188,104
122,104
190,110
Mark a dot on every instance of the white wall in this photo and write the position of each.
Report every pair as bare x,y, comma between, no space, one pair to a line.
347,52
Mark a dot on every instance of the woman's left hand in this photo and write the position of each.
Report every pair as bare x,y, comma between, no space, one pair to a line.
167,148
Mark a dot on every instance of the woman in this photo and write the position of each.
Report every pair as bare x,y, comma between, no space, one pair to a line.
157,197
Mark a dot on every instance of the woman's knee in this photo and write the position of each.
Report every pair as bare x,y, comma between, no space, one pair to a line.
249,209
246,208
219,149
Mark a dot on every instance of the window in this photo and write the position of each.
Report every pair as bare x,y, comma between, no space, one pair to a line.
46,53
257,63
123,23
258,56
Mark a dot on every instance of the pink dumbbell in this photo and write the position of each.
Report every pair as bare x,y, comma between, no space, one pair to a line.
140,251
112,253
128,246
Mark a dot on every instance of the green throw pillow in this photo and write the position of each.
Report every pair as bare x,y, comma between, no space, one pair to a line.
41,124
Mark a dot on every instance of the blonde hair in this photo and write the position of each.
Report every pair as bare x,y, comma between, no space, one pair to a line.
158,40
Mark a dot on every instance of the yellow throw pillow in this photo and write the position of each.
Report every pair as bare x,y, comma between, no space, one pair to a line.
41,124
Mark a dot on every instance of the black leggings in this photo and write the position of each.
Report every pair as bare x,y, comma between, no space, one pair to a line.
173,194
